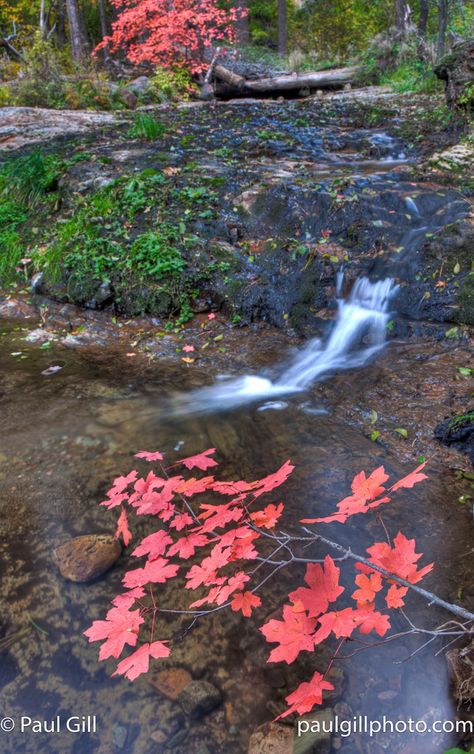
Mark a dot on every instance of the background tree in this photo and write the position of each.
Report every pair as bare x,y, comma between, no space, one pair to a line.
282,28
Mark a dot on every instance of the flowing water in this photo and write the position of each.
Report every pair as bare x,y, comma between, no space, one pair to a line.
65,435
358,333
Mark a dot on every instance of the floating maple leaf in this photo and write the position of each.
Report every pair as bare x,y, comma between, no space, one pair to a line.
294,634
410,479
122,528
307,695
200,461
323,583
400,560
156,572
118,629
139,661
154,545
245,602
268,517
156,456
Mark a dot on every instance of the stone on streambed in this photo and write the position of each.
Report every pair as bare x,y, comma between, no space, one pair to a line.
171,681
199,698
85,558
271,738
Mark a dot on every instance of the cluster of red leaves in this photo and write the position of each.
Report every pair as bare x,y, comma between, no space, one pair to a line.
222,539
170,34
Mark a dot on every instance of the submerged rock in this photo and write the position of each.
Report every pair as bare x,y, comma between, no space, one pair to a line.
85,558
171,681
199,698
458,431
271,738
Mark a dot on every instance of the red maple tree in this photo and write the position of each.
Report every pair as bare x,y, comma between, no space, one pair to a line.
170,34
231,544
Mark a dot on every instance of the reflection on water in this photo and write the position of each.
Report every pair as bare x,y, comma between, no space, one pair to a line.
64,437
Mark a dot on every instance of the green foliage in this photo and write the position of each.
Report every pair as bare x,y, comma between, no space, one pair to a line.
11,252
153,254
168,84
146,127
413,76
29,179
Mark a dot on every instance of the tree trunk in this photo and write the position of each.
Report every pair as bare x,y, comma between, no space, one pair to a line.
42,19
442,27
242,23
282,28
60,22
423,18
75,31
104,20
402,14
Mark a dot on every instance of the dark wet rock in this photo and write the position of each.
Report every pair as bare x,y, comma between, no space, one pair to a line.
199,698
271,738
457,71
103,296
458,431
37,283
16,308
316,740
85,558
171,681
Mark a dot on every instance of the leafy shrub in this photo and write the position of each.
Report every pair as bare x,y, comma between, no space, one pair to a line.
170,84
11,252
146,127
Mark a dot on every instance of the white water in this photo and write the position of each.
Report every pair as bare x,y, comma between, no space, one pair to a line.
357,334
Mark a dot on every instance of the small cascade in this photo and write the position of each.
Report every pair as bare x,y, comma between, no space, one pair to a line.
357,334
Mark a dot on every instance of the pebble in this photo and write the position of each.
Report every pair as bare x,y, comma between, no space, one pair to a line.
199,698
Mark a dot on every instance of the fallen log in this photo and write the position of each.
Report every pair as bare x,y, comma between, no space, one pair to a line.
313,80
229,77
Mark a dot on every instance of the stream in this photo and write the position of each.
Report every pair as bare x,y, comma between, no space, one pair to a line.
66,434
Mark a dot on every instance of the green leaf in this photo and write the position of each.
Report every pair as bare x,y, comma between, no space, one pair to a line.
465,371
453,332
402,431
375,435
457,268
45,346
373,416
455,751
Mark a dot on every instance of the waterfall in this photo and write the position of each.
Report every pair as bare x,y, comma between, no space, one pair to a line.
357,334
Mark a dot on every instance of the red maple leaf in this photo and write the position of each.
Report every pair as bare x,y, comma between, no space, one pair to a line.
195,486
394,596
294,634
118,629
370,620
307,695
185,547
200,461
154,545
341,622
323,583
125,601
139,661
156,456
122,528
181,521
156,572
245,602
368,585
410,479
401,560
268,483
268,517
